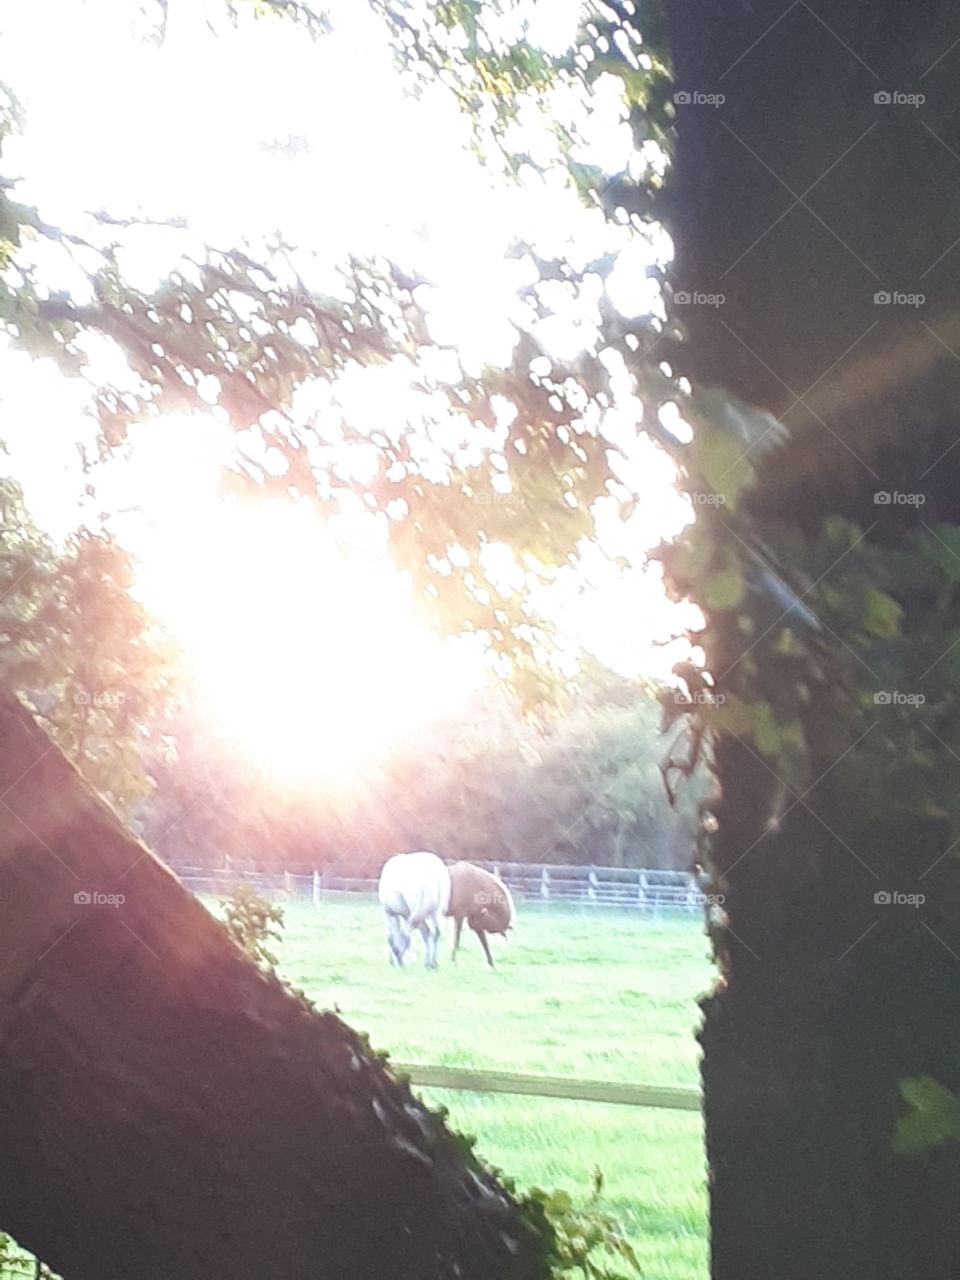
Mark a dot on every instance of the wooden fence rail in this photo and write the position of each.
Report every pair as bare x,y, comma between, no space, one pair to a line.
623,1095
627,887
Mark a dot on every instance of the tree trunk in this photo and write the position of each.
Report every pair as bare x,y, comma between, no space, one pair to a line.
830,999
796,201
167,1110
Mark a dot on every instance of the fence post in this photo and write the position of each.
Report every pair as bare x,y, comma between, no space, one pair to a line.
544,883
592,885
317,888
287,885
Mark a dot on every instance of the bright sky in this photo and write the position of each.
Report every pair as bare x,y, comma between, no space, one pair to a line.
119,125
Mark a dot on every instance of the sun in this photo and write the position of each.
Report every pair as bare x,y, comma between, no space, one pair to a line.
310,655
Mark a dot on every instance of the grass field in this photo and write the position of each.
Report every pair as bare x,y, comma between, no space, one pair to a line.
589,994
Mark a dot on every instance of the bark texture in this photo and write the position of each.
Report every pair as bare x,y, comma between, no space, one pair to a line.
799,199
168,1110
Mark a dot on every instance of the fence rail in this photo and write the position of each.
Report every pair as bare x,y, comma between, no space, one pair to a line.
635,888
624,1095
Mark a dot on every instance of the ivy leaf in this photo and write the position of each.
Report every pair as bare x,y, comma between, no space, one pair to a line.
788,645
881,614
724,464
942,546
768,737
840,532
724,590
933,1120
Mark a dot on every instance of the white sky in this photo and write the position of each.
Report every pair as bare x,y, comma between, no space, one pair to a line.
119,125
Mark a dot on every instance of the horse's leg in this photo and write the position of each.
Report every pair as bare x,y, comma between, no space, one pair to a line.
457,929
486,950
432,925
424,929
396,936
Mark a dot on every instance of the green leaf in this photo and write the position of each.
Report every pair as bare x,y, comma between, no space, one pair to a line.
724,590
933,1120
756,721
788,645
768,736
881,614
840,532
724,464
941,544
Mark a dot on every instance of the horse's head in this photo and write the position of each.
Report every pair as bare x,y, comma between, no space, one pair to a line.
493,911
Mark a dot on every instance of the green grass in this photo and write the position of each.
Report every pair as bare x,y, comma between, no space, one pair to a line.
599,995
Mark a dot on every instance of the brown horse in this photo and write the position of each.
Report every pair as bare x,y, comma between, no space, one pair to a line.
483,901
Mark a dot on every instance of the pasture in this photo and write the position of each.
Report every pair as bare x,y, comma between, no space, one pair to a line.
586,993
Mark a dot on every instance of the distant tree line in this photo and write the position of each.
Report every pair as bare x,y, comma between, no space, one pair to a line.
86,657
583,786
486,785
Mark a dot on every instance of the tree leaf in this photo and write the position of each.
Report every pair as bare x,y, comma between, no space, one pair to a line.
934,1117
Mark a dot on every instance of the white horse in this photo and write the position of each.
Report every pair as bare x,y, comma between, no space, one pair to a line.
414,891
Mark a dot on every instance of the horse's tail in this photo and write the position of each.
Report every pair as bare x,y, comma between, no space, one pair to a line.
432,903
422,914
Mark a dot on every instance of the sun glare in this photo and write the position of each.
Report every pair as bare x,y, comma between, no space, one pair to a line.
305,637
312,657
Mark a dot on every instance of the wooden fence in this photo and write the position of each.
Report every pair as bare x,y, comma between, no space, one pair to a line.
623,1095
530,883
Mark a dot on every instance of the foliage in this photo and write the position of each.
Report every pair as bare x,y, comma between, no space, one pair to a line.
121,668
87,658
485,785
252,921
584,1235
482,50
27,570
237,332
18,1264
7,1251
933,1118
822,609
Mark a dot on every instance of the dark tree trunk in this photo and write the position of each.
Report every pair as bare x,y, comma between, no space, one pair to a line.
826,1001
167,1110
